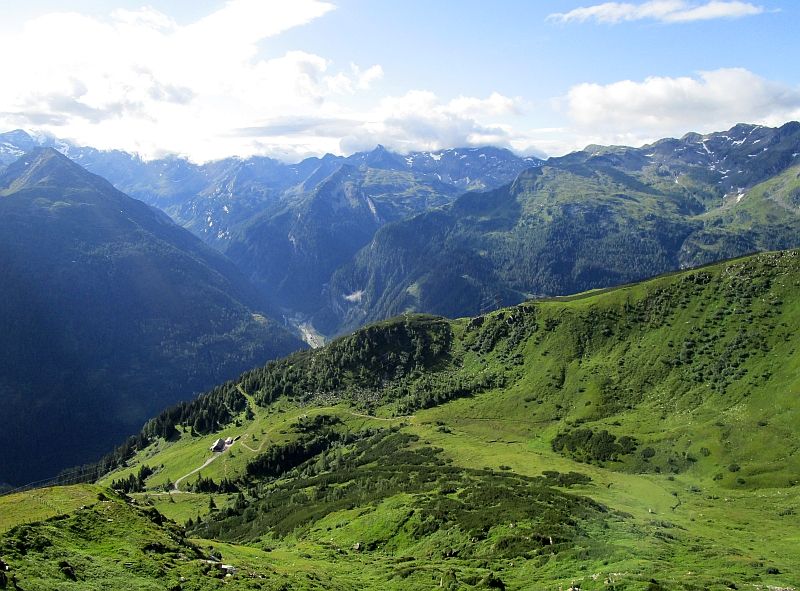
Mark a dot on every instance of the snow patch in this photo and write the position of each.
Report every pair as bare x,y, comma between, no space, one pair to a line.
374,211
355,296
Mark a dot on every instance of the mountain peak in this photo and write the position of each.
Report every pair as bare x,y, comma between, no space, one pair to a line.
17,140
382,158
14,144
45,168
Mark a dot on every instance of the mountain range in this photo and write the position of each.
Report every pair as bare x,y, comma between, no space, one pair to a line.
592,219
289,227
331,244
334,243
631,435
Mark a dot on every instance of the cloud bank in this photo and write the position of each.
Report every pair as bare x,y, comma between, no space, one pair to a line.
141,82
667,11
419,121
633,113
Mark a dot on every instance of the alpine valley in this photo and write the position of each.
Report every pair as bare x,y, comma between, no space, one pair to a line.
109,312
524,374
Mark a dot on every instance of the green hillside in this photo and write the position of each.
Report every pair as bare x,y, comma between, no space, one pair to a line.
639,437
109,312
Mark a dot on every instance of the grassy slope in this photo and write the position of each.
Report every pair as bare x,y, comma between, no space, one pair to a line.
700,366
109,543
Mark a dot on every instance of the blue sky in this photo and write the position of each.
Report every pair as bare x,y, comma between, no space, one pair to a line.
209,79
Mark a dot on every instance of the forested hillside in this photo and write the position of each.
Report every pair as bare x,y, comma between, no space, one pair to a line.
592,219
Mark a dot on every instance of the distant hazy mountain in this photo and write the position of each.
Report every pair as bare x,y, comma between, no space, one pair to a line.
292,249
108,311
289,227
213,198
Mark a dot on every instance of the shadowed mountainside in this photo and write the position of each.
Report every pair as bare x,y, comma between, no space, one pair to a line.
108,312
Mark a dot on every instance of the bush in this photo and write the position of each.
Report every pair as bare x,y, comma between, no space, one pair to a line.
584,445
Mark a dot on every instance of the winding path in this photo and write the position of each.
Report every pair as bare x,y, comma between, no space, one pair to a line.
185,476
263,441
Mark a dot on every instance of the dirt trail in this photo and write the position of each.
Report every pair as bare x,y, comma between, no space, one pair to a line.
355,414
264,440
185,476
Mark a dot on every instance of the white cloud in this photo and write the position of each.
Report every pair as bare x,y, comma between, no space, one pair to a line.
635,112
342,84
339,84
141,82
420,121
668,11
365,79
495,105
144,16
